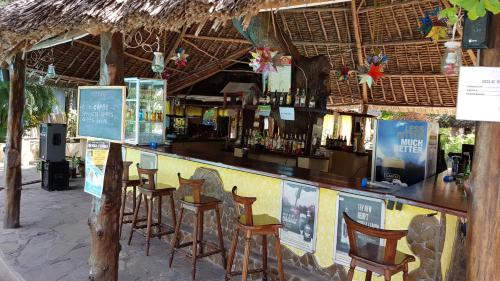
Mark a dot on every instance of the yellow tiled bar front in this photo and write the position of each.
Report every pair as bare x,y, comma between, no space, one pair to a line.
268,193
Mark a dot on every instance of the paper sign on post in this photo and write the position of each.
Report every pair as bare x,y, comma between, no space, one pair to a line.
264,110
95,166
479,94
287,113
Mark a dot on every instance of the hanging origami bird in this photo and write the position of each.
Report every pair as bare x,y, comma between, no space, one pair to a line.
344,73
433,27
180,57
262,61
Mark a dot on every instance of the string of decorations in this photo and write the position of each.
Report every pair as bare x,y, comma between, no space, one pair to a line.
39,59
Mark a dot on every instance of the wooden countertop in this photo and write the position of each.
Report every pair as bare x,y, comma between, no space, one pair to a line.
432,193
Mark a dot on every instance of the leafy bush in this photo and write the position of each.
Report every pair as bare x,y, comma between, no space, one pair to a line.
39,103
453,143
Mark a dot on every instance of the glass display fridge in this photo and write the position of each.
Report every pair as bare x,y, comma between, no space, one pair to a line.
145,117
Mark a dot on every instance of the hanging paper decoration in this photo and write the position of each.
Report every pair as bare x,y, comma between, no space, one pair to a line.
433,27
373,69
376,59
344,73
165,75
180,57
262,61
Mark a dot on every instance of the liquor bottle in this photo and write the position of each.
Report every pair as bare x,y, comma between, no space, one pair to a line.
344,143
312,102
153,116
297,98
281,99
273,98
146,117
289,97
303,98
303,145
268,98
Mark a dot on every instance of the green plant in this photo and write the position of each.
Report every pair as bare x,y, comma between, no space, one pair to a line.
39,103
71,124
453,143
4,109
76,161
39,165
475,9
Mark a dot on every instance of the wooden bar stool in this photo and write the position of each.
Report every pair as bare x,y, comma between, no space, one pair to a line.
149,190
385,261
250,225
199,204
127,181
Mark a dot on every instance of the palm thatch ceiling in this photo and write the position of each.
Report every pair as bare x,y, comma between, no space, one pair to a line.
412,75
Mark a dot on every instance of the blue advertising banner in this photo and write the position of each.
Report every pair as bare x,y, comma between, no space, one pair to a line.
96,157
401,152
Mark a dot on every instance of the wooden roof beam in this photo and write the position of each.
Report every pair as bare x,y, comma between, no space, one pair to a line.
210,69
388,6
359,47
148,61
221,39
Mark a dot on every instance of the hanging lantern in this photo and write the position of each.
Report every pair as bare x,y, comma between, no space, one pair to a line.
452,59
51,71
41,80
158,62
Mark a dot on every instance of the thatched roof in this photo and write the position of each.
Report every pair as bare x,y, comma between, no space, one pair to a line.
412,75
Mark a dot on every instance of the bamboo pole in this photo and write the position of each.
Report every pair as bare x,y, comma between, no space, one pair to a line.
483,235
13,174
359,47
104,217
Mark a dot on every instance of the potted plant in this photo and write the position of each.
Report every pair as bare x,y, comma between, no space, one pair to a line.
72,167
80,164
39,165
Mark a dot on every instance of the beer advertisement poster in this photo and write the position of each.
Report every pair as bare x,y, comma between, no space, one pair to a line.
401,153
365,210
96,157
299,208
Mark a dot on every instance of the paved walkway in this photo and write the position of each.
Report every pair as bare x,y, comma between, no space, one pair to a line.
53,242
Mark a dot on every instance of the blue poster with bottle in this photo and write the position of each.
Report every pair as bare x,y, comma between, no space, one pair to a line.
405,152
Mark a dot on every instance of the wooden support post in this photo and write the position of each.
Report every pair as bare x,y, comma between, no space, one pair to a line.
105,213
359,46
12,165
484,195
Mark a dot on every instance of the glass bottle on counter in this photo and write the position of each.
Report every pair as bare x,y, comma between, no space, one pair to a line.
302,98
289,98
312,102
281,99
297,98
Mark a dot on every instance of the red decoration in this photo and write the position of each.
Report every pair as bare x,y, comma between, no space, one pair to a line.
376,72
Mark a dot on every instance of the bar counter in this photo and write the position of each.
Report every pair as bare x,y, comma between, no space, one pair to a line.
430,210
432,193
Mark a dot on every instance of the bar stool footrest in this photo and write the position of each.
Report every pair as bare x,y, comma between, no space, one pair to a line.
250,271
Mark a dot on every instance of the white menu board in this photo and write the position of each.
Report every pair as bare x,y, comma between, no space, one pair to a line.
479,94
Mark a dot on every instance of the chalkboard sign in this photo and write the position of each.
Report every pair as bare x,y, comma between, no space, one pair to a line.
365,210
101,112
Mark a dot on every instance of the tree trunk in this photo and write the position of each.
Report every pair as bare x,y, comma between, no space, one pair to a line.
12,165
484,200
105,213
